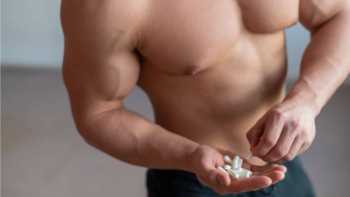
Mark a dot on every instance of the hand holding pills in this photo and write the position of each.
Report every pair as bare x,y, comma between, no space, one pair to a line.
225,175
234,167
284,132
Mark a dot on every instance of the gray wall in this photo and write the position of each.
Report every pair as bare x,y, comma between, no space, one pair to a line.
31,32
32,36
297,39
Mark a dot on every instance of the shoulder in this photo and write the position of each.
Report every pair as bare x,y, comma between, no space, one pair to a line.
315,12
102,19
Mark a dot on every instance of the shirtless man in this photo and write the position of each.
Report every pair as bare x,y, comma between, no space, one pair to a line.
214,72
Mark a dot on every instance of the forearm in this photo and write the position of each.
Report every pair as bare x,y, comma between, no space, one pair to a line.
130,138
326,62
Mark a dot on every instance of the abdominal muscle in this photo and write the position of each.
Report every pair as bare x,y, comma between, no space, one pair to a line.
219,118
219,104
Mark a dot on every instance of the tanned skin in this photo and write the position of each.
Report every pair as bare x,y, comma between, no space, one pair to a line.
215,74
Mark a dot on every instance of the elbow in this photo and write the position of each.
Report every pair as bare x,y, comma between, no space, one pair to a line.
94,128
89,127
87,132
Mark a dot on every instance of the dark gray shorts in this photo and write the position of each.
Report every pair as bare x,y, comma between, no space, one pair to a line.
175,183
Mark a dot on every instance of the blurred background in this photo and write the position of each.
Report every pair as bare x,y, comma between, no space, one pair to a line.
42,153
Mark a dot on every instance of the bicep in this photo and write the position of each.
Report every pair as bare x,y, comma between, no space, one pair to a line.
100,68
314,13
98,86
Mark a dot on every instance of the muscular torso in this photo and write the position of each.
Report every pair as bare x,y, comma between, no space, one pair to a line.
212,68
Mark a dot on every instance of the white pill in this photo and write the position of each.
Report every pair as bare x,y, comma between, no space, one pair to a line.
237,162
227,167
233,173
236,174
245,173
249,174
227,159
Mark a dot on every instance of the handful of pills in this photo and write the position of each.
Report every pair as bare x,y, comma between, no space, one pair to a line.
234,167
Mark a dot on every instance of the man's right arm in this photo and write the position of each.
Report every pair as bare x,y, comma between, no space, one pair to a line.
100,69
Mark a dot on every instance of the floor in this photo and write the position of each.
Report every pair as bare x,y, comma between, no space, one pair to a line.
43,155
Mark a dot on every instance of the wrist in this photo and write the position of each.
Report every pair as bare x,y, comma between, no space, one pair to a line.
187,161
303,94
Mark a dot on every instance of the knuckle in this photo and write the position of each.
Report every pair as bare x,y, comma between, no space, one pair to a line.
268,142
280,152
278,114
294,124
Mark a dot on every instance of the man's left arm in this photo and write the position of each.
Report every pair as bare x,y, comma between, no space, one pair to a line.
326,61
289,129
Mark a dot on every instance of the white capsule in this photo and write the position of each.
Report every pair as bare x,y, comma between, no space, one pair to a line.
236,174
249,174
245,173
227,159
237,162
227,167
233,173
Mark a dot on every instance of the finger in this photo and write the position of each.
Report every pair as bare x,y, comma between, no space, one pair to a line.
304,147
270,136
255,132
250,184
209,177
275,176
268,168
223,178
294,150
218,177
283,145
212,180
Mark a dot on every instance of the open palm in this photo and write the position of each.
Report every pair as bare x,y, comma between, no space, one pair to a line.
206,161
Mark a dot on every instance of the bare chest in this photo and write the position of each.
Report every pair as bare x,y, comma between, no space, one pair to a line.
188,36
